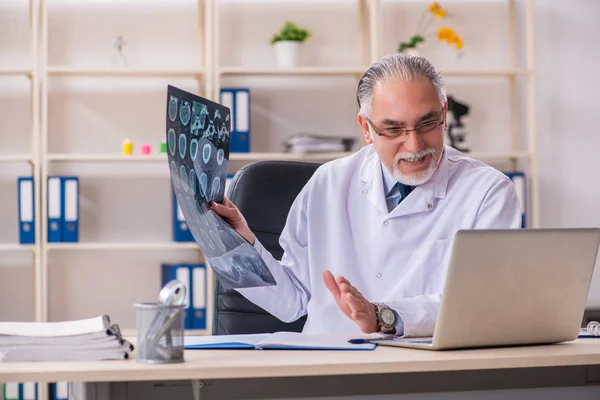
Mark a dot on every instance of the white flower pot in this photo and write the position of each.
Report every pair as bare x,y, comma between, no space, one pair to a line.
287,53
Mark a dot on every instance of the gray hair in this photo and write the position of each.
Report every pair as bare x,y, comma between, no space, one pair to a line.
396,67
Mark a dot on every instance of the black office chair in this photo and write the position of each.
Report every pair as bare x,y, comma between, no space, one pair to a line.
264,192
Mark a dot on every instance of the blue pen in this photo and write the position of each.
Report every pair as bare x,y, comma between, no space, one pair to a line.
363,341
358,341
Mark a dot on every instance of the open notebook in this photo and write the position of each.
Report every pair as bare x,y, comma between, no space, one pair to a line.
85,339
275,341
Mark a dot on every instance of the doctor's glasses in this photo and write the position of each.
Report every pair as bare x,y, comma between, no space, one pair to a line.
396,132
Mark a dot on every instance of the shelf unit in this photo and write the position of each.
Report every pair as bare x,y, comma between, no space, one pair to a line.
10,158
209,77
15,72
161,158
17,247
148,246
32,159
124,72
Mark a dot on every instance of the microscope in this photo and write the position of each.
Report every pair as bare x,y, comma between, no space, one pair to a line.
456,130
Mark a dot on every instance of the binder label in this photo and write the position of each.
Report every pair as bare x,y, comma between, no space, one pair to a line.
53,197
62,390
199,279
26,201
11,391
29,391
71,200
241,111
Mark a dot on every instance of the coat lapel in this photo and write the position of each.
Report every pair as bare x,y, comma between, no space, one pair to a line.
371,181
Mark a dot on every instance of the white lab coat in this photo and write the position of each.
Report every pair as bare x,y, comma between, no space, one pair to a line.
340,222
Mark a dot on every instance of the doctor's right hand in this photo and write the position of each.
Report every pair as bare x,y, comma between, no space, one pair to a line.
232,215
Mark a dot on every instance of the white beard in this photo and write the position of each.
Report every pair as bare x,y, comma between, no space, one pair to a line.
418,178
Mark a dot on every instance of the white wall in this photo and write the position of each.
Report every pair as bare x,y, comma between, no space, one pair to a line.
568,82
95,115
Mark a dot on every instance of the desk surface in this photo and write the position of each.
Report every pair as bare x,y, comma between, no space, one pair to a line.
228,364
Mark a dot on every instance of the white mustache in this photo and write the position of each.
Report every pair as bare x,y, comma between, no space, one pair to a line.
413,157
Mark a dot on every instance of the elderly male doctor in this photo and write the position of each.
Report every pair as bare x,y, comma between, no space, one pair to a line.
367,240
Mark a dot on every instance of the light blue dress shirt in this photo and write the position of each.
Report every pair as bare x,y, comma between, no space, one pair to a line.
391,191
392,198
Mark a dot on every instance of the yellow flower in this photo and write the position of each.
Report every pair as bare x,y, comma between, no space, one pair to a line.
434,7
437,10
448,35
458,43
445,34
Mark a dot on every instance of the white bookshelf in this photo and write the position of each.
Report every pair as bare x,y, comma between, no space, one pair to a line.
5,71
12,247
69,71
254,156
162,158
142,246
12,158
209,76
31,158
353,71
310,71
485,73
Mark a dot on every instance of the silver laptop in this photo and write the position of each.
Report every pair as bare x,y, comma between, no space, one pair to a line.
512,287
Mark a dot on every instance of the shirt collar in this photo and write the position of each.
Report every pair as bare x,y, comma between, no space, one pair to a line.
389,182
439,180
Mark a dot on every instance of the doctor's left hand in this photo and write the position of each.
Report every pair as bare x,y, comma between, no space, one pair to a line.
352,303
232,215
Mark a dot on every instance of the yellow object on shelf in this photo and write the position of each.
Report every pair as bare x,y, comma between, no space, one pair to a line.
127,147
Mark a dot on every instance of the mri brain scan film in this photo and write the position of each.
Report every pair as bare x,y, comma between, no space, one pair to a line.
198,139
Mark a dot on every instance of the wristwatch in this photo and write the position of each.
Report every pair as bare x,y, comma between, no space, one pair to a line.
386,318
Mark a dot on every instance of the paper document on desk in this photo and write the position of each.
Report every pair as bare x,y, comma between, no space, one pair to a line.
85,339
275,341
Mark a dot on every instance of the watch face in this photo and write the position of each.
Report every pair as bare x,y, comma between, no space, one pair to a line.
387,317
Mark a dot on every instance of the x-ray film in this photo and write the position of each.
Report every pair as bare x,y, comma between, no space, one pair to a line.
198,152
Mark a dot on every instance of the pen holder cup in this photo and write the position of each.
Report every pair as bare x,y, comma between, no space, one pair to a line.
160,333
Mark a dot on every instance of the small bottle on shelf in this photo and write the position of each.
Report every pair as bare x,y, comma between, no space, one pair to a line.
145,149
127,147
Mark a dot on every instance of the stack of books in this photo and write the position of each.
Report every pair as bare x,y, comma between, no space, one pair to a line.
310,143
78,340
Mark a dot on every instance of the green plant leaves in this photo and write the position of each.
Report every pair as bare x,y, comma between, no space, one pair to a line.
414,41
290,31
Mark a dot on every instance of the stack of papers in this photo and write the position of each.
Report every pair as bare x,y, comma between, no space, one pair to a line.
309,143
78,340
275,341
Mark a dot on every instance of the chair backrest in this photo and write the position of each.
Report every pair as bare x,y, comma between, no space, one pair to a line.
264,192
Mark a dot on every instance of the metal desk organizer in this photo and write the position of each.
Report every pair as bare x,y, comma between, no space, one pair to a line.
160,326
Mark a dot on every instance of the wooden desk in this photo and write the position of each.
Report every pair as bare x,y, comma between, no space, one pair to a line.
576,363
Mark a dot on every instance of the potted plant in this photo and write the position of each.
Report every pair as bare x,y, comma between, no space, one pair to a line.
287,43
423,31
